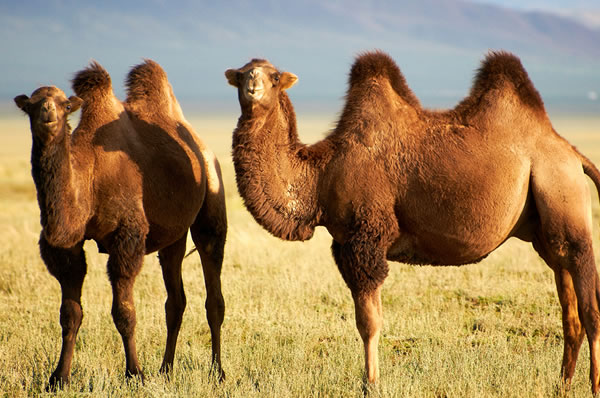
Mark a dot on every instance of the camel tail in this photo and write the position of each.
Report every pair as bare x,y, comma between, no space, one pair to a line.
375,64
590,170
92,81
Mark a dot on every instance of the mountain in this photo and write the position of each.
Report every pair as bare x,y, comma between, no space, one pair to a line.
437,43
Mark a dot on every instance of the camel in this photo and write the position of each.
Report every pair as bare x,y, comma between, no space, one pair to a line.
133,177
395,181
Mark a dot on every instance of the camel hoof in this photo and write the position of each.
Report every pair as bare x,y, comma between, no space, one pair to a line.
57,382
370,389
165,369
218,371
136,375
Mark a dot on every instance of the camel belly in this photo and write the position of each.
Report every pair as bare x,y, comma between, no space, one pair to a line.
437,251
462,217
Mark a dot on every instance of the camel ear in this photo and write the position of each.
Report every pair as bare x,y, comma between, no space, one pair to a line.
22,102
75,103
287,80
232,76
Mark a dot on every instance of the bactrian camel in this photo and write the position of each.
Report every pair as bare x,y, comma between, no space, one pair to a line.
396,181
134,177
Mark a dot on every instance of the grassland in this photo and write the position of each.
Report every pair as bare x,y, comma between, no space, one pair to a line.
487,330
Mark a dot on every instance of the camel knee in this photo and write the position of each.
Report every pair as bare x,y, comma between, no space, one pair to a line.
174,308
215,309
71,316
573,331
124,318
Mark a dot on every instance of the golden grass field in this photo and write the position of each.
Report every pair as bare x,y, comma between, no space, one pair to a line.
491,329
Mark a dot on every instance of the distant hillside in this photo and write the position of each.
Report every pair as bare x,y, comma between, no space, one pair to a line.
437,43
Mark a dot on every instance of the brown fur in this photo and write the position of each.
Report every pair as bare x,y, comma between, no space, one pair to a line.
395,181
135,178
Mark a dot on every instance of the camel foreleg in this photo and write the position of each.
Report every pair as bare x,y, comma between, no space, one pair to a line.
125,261
364,268
69,267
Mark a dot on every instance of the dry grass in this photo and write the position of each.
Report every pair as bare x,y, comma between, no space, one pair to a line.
486,330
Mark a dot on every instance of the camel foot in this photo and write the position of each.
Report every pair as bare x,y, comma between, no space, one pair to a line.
57,382
218,372
370,389
165,369
136,375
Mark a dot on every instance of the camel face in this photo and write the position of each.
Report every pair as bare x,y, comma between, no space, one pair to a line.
48,110
259,83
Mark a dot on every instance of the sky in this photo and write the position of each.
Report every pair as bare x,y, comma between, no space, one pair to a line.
438,44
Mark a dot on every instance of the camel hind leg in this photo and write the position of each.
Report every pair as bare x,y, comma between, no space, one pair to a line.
208,233
69,267
170,259
573,330
564,238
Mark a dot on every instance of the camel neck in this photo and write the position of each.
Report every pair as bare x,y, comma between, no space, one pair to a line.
59,202
278,186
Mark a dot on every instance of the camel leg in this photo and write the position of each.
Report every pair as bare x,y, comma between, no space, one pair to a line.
587,288
565,240
124,263
69,267
364,269
369,320
572,329
208,233
123,313
170,260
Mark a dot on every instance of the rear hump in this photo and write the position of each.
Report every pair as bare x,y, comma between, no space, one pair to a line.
497,68
149,91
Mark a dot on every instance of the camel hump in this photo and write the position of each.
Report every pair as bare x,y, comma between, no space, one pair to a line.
91,81
500,66
146,80
148,89
378,64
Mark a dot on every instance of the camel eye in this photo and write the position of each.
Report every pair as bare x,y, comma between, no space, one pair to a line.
68,107
276,78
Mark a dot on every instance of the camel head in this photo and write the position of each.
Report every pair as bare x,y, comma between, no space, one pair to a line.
48,110
259,83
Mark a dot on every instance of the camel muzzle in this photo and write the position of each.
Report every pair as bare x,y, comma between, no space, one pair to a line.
48,114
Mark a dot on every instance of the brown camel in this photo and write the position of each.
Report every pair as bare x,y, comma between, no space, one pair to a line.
395,181
135,178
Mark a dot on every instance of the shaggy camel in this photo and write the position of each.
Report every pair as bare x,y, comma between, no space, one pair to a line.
395,181
135,178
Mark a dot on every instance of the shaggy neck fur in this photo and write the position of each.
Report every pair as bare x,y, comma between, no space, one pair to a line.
277,181
59,202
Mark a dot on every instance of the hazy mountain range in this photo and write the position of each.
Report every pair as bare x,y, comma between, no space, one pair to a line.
437,43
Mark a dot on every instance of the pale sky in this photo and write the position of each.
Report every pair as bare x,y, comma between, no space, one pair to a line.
438,44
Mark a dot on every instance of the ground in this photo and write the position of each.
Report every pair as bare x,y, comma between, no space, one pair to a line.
487,330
